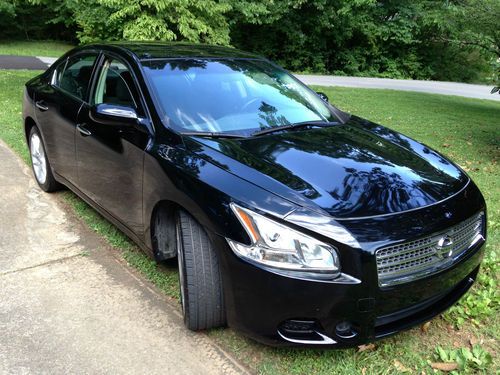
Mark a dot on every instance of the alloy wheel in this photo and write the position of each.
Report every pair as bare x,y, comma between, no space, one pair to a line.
38,158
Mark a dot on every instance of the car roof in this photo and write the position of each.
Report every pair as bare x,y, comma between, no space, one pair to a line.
165,50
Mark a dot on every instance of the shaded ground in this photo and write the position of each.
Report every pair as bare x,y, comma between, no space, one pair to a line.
69,305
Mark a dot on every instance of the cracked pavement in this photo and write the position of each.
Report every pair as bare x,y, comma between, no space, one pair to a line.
68,304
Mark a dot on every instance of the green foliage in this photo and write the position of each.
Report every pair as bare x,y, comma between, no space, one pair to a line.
35,19
192,20
7,8
426,39
483,301
392,38
196,21
468,361
474,25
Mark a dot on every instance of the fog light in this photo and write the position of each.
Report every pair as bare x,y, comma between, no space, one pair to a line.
303,332
344,330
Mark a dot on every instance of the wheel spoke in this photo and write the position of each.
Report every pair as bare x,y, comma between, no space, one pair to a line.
38,158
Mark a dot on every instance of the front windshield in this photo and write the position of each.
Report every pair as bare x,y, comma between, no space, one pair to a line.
237,96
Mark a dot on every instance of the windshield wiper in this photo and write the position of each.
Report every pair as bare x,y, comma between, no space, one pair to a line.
296,125
212,134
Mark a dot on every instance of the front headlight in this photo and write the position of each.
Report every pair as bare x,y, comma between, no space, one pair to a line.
279,246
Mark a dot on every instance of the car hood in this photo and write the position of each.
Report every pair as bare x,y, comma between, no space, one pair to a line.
350,170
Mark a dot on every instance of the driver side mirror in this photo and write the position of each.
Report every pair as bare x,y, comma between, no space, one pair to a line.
113,114
323,96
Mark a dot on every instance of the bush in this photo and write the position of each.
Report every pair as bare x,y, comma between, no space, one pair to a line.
456,41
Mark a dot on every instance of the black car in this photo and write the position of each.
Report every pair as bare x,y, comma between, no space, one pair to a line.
292,221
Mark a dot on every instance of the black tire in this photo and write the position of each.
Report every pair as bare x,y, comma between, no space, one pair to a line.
49,184
199,277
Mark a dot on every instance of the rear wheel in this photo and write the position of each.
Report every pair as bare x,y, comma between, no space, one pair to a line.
199,276
40,163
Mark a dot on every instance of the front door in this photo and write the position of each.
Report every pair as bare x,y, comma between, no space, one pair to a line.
57,108
110,157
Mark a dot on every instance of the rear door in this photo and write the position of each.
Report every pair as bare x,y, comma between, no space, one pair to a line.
110,157
57,107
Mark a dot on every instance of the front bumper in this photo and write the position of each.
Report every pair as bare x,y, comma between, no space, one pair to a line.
278,310
260,303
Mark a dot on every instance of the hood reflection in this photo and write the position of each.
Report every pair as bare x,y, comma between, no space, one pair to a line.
350,170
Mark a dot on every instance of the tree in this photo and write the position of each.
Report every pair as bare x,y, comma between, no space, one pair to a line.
477,25
34,20
197,21
454,40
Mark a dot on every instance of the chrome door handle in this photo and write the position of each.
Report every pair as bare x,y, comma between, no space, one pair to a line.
42,106
81,128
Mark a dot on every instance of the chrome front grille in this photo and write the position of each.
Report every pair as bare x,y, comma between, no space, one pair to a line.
413,260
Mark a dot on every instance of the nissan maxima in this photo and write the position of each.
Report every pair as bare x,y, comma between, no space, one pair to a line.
292,221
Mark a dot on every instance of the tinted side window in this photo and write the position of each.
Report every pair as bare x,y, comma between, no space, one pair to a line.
76,77
116,85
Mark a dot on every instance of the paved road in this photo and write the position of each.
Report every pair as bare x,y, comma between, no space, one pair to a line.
69,305
434,87
24,62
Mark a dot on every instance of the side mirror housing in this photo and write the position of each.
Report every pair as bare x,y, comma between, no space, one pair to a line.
113,114
323,96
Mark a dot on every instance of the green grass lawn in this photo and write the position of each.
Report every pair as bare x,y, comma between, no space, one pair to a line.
466,130
44,48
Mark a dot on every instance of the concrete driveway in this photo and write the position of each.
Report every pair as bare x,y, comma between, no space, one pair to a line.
24,62
68,304
433,87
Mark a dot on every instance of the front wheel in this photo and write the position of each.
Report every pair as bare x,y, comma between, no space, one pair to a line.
40,163
199,276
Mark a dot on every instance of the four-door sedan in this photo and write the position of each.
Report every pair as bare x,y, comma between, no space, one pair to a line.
292,221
